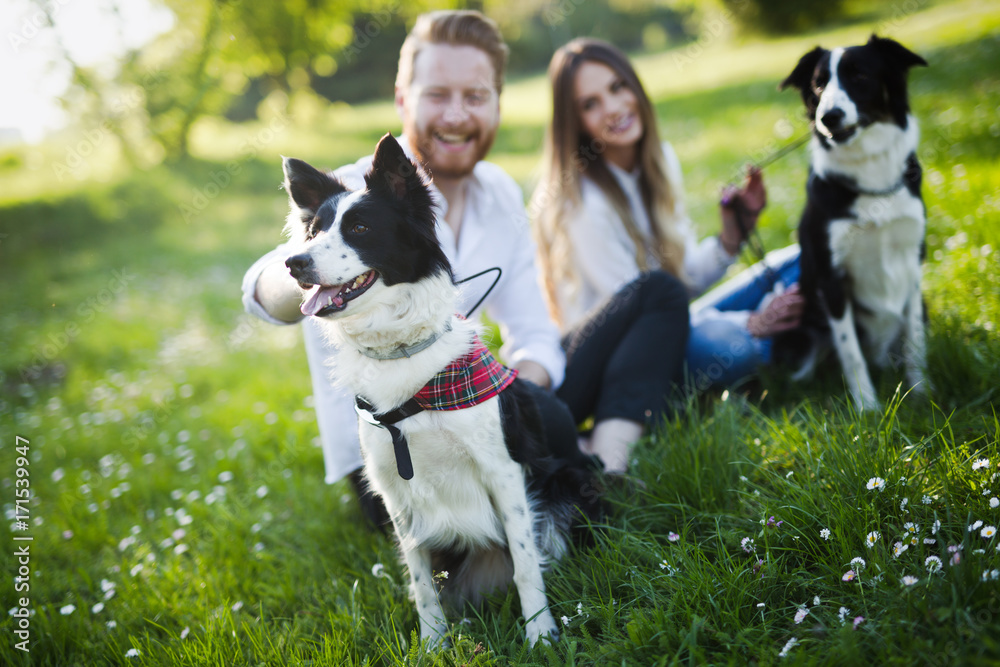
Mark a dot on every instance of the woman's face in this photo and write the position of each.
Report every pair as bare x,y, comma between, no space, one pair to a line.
609,111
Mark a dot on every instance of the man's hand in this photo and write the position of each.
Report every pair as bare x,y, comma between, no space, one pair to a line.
782,313
279,293
533,371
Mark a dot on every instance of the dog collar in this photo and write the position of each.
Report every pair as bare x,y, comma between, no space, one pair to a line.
852,185
405,351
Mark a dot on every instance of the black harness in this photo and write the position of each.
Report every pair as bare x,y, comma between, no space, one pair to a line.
388,420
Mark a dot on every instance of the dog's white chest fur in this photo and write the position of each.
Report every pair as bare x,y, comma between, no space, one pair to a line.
455,454
880,252
878,247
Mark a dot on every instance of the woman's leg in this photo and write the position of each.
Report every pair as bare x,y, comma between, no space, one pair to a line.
624,364
721,351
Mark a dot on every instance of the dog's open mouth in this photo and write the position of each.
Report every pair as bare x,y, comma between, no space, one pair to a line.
324,300
841,135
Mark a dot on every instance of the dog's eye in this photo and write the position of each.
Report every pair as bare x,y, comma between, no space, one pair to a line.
359,229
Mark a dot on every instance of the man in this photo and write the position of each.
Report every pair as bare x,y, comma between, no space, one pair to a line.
450,75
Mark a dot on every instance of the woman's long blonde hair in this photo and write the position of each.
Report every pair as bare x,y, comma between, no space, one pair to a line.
570,154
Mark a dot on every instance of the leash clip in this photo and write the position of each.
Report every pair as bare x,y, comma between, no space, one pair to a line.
365,412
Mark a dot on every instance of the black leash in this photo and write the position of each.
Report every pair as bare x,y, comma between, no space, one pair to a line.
483,297
752,237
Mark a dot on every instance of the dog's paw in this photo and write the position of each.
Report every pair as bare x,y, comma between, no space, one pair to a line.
542,627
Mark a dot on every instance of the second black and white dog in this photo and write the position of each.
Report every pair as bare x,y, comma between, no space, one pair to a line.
862,231
470,486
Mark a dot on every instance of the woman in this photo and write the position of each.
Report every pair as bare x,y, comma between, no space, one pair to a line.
609,209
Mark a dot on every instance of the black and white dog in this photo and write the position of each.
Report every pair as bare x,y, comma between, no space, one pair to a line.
472,491
862,231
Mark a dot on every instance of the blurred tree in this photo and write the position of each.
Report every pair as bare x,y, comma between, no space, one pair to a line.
244,59
784,16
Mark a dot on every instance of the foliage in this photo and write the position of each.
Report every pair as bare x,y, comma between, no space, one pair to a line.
179,509
785,16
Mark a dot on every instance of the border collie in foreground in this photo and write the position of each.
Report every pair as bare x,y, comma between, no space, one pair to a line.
452,441
862,231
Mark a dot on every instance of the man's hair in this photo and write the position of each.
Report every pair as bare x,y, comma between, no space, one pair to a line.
457,28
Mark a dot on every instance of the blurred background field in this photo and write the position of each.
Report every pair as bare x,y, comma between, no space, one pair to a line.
179,507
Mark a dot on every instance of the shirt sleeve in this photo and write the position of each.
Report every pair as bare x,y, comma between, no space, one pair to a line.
602,251
517,303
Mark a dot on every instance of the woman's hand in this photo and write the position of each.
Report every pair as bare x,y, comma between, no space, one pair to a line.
781,313
750,200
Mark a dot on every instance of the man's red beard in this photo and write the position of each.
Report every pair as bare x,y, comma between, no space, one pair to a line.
423,149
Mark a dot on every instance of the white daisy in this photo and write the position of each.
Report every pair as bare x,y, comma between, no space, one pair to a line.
980,463
933,564
988,531
858,564
67,610
825,533
801,614
789,645
872,538
909,580
876,483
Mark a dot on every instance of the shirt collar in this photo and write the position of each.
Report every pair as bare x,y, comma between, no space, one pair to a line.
622,175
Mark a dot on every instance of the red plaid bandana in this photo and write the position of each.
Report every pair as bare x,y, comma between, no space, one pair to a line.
468,380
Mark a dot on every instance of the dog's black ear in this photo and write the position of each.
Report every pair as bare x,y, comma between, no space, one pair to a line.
895,53
307,186
392,173
899,60
801,76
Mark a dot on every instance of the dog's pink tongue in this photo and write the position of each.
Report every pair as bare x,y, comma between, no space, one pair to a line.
320,299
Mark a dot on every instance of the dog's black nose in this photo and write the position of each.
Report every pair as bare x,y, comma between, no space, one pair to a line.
298,264
833,119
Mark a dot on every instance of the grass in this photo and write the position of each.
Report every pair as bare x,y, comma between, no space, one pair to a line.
172,444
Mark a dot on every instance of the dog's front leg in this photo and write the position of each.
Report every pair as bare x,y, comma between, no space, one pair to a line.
512,502
914,342
432,621
852,360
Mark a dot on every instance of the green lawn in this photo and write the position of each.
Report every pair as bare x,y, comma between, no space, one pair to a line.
179,509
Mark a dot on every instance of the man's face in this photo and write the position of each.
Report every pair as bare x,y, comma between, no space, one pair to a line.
451,109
